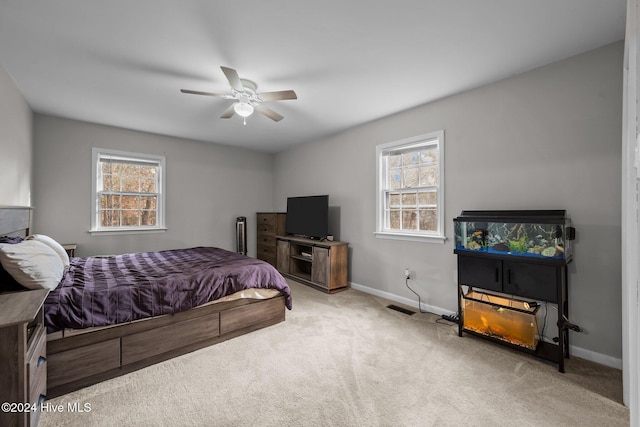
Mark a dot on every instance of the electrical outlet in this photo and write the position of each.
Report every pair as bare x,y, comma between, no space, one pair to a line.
407,273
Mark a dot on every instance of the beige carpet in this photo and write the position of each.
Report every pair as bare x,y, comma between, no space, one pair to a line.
347,360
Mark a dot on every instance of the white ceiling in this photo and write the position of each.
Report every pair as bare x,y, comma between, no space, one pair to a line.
123,62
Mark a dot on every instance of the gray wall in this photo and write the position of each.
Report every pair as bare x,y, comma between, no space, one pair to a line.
546,139
15,144
207,187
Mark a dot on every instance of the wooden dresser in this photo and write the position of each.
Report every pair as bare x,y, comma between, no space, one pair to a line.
269,225
23,357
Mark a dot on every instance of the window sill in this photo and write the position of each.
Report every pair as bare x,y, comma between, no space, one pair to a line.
114,231
410,237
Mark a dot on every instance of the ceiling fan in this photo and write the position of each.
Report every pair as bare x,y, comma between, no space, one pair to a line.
246,97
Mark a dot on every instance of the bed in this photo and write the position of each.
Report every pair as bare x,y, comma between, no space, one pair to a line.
112,315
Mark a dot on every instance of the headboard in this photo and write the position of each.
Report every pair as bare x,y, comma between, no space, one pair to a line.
15,221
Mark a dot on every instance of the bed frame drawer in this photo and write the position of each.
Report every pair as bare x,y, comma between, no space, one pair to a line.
245,316
81,362
162,340
82,358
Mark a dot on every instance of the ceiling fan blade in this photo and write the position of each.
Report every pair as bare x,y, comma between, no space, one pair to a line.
277,96
196,92
229,112
269,113
234,79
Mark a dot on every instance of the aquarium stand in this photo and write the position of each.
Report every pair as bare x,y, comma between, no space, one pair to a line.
509,262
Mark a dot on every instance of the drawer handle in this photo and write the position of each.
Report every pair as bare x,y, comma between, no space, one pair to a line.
41,360
41,399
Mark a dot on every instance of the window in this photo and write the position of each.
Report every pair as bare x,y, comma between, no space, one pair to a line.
127,190
410,188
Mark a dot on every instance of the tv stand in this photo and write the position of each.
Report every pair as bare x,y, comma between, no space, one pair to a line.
320,264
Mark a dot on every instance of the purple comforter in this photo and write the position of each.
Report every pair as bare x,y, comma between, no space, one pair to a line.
105,290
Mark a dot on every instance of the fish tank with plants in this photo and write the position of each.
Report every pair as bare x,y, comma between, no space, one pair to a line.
544,234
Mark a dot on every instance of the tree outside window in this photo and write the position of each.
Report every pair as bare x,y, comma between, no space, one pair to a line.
128,191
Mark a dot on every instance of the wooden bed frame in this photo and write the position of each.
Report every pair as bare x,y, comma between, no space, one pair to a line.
79,358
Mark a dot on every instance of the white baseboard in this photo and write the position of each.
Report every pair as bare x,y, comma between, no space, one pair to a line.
600,358
402,300
592,356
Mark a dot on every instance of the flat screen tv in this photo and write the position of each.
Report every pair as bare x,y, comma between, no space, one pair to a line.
308,216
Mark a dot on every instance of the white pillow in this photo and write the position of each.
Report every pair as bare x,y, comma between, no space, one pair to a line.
57,247
33,264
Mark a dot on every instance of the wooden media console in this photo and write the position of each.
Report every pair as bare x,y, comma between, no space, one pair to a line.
320,264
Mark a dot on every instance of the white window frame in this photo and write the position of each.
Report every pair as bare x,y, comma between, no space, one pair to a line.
100,153
437,138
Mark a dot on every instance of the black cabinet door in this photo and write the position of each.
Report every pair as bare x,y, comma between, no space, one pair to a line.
533,281
480,272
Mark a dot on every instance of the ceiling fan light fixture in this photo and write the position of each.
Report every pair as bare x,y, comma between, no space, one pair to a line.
243,109
246,97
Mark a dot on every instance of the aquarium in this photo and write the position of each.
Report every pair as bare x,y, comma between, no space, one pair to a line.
545,234
506,319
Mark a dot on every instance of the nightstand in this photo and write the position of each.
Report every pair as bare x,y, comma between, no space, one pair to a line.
70,248
23,356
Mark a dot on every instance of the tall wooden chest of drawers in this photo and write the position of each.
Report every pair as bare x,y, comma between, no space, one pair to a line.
269,225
